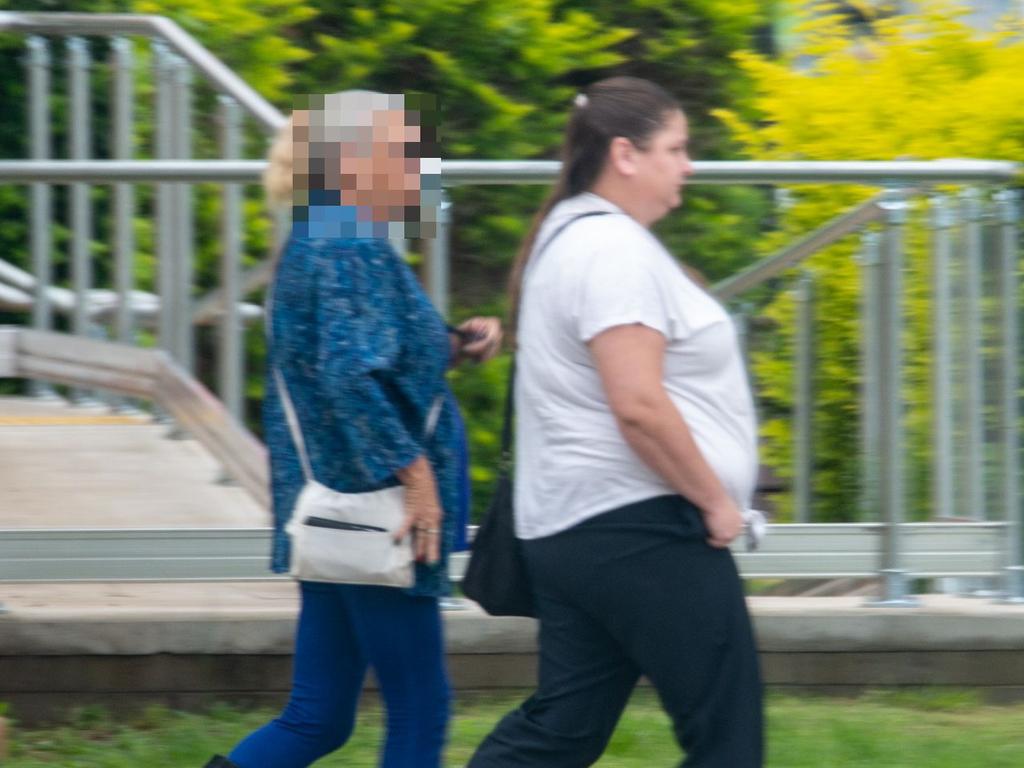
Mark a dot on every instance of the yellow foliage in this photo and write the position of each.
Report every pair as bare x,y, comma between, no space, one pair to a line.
923,85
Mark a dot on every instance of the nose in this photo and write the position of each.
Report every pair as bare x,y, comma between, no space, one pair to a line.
687,168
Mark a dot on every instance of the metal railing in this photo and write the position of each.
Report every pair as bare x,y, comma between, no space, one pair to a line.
897,550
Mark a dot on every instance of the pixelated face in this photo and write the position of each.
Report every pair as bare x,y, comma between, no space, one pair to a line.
371,151
384,168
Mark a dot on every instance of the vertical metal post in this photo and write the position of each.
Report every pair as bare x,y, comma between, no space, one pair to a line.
1008,203
121,64
38,61
890,364
438,268
231,360
804,297
164,234
943,464
184,228
741,322
974,392
871,428
79,119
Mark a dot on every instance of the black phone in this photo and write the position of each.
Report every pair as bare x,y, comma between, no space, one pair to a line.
465,337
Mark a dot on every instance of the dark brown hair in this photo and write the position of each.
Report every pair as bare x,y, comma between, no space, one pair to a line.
629,107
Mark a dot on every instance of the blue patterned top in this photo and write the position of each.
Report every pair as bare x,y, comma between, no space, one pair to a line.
363,353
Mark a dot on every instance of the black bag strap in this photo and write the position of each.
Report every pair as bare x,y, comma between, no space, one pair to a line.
505,465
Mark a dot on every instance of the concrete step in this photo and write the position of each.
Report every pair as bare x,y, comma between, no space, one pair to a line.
63,466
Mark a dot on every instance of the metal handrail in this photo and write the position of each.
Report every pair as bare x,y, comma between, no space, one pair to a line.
817,551
221,77
792,255
18,292
483,172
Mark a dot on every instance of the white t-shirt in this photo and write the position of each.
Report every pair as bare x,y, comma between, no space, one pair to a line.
572,462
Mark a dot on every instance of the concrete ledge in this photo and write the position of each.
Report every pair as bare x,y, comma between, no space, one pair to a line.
259,617
189,644
843,624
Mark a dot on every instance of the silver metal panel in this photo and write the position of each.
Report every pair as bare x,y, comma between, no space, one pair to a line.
974,469
477,172
1008,202
164,198
41,237
870,426
815,551
115,555
231,358
890,378
8,351
943,463
803,401
438,265
752,172
184,231
80,137
122,96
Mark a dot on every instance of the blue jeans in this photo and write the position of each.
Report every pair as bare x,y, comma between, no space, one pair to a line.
342,630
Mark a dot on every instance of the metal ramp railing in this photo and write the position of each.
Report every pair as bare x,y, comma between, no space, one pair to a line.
990,545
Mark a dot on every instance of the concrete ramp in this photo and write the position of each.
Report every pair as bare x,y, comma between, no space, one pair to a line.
68,467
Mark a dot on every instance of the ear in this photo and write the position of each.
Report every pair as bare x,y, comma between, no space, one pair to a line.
622,156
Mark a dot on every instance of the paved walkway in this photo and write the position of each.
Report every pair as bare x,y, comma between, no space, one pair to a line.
68,467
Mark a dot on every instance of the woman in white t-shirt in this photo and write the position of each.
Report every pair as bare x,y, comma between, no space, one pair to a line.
635,454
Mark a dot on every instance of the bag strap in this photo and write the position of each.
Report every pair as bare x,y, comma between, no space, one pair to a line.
505,464
430,423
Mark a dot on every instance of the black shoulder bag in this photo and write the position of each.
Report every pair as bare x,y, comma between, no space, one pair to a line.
496,576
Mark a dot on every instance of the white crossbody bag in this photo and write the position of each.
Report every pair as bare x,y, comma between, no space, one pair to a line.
347,538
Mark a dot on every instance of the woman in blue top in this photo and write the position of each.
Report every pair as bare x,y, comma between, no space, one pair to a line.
363,354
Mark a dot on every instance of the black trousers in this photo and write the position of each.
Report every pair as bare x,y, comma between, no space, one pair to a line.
636,591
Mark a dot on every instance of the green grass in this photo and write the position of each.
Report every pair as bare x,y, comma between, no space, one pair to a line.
877,730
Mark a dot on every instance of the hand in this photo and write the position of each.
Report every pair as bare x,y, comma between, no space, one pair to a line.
724,523
481,338
422,512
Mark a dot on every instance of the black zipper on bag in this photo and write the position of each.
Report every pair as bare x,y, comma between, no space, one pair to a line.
323,522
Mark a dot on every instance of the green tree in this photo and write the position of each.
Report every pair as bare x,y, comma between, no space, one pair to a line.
252,36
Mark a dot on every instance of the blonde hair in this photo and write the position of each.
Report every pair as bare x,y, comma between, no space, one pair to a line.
277,178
